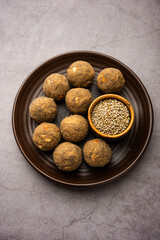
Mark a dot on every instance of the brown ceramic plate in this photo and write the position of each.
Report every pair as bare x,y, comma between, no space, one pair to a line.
126,152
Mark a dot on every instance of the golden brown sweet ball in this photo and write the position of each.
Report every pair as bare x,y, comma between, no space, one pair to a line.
74,128
46,136
78,100
80,74
43,109
110,80
67,156
56,86
97,153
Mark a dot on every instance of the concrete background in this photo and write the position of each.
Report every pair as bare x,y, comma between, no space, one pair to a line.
33,207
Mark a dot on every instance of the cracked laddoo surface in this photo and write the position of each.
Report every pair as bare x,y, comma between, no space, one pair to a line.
67,156
110,80
56,86
78,100
43,109
97,153
74,128
80,74
46,136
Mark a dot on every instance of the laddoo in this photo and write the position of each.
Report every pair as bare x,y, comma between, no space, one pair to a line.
74,128
97,153
110,80
56,86
78,100
46,136
67,156
43,109
80,74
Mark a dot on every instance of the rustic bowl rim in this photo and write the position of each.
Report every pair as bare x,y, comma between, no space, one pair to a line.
113,96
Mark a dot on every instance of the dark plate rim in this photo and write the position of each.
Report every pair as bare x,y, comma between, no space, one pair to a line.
93,183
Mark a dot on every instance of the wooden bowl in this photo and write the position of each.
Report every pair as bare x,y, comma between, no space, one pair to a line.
105,136
126,152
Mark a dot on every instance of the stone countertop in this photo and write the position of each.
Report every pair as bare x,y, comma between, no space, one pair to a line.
34,207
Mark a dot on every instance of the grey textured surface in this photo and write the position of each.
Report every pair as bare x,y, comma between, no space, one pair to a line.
33,207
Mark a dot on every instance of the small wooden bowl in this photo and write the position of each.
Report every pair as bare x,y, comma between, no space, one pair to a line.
105,136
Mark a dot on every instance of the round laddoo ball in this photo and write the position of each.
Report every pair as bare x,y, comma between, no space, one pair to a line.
56,86
74,128
46,136
78,100
97,153
67,156
110,80
43,109
80,74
